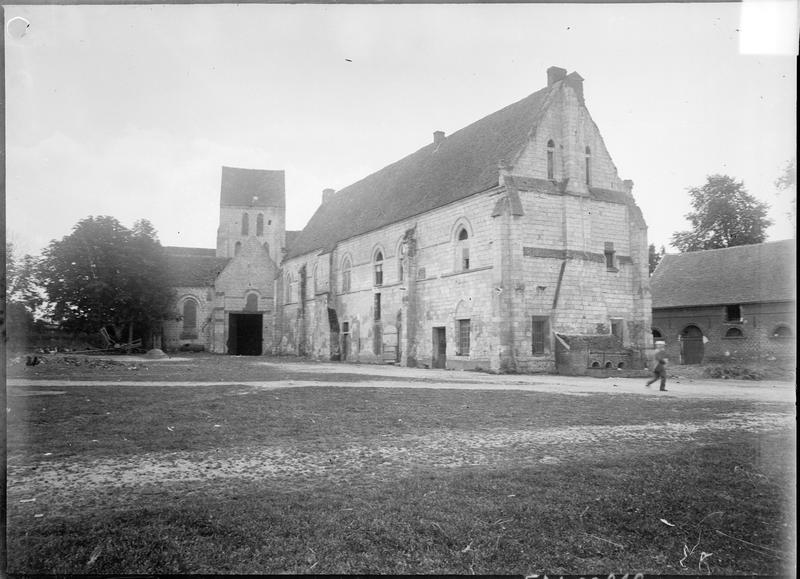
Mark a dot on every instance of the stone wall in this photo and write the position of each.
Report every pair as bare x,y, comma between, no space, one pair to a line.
174,334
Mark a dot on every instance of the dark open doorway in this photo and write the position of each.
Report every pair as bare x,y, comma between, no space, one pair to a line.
245,334
439,354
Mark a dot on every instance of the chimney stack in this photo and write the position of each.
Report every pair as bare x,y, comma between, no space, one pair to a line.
327,194
576,82
438,137
555,74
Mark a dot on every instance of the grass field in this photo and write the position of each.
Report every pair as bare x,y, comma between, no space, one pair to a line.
236,479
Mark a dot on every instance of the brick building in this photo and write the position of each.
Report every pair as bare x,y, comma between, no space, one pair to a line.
510,245
735,304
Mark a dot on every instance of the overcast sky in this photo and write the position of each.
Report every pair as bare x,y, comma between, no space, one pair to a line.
131,111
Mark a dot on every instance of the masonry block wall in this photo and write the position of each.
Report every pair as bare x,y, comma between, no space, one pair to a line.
174,331
246,285
230,232
558,245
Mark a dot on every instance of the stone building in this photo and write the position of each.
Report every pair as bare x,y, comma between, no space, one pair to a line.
225,297
727,305
510,245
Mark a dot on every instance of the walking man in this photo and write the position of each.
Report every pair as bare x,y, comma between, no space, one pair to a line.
660,370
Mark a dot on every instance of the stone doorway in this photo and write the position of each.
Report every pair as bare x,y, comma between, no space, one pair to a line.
245,334
439,352
692,348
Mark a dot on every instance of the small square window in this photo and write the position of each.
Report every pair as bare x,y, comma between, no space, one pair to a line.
733,313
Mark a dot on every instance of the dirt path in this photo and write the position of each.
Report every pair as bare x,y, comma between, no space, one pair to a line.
578,386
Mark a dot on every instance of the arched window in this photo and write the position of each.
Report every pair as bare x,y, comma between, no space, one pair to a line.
245,224
462,249
346,275
189,311
189,315
266,246
734,333
588,166
252,303
260,224
401,261
551,160
378,267
782,332
237,248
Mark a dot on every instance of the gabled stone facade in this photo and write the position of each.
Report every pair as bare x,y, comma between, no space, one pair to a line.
511,245
503,277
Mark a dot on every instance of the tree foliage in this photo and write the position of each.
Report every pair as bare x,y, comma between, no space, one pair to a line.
725,215
105,275
23,295
21,280
654,257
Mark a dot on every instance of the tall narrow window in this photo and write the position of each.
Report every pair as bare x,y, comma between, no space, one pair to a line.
588,166
189,315
378,268
539,335
260,224
346,276
245,224
377,307
551,160
462,249
463,338
611,262
237,248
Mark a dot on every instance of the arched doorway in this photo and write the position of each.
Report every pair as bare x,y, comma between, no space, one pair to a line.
692,345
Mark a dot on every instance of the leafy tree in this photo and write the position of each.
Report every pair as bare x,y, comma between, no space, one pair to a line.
654,257
105,275
725,215
23,296
21,280
787,183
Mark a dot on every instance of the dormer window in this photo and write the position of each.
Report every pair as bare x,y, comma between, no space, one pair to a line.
551,160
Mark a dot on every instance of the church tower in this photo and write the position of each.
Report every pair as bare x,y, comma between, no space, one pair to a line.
252,206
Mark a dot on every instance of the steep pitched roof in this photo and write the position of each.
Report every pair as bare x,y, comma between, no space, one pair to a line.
460,165
193,267
764,272
252,187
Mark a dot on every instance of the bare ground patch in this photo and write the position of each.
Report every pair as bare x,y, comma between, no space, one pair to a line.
61,485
